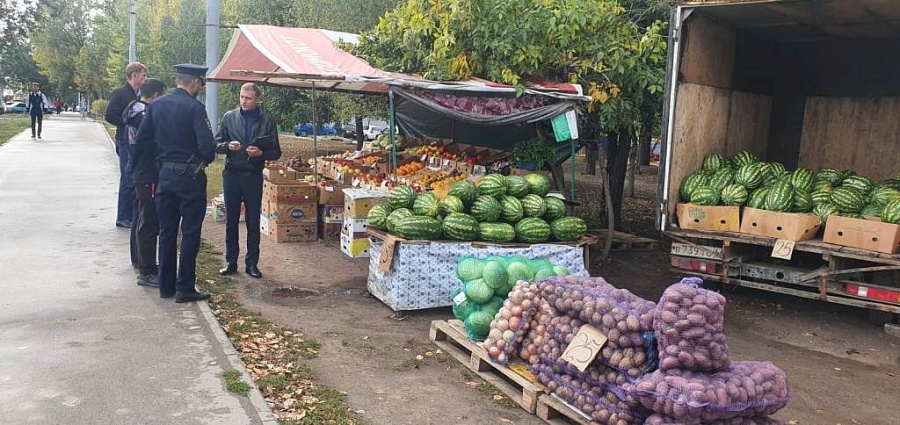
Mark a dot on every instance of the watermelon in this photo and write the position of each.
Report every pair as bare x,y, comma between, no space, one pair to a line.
821,195
703,195
802,201
378,216
860,183
418,227
891,212
780,197
538,184
511,209
478,324
883,195
821,185
734,194
847,199
568,228
469,268
757,199
492,185
857,216
486,208
517,271
554,208
395,216
494,273
891,183
824,210
744,158
516,186
690,184
872,210
426,204
750,176
802,179
461,227
723,177
532,230
496,232
715,162
402,197
451,204
464,190
533,205
832,176
777,168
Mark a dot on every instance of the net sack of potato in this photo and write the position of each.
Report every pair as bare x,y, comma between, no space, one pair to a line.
689,325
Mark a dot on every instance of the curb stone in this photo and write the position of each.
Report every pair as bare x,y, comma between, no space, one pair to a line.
262,409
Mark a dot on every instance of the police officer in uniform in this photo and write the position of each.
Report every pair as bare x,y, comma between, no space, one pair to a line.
177,132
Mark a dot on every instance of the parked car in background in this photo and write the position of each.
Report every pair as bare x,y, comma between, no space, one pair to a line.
373,131
306,129
15,107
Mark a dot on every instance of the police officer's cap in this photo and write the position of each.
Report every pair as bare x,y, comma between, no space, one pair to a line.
191,69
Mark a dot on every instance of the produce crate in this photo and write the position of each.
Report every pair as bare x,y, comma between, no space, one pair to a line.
557,412
521,388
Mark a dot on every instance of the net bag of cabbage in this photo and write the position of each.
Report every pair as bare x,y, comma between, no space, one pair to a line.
657,419
597,402
624,318
689,325
744,389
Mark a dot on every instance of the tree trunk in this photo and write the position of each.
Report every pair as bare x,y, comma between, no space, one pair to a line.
360,137
644,143
632,170
610,216
619,146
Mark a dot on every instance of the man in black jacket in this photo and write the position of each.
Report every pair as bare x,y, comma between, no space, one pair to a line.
118,100
144,175
248,138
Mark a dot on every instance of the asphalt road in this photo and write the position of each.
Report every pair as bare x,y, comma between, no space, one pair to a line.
80,342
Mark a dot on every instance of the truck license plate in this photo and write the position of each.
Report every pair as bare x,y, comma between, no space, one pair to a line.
696,251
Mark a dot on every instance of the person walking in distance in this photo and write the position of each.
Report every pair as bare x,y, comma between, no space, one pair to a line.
144,173
35,107
248,138
177,131
136,73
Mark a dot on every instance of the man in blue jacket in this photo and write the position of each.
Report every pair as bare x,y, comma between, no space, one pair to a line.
177,132
248,138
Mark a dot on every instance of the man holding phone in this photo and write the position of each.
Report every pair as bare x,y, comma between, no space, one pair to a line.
247,136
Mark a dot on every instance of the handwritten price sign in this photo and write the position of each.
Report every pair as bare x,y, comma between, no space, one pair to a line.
584,347
783,249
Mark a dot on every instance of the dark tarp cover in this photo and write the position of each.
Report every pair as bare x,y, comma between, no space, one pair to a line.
491,122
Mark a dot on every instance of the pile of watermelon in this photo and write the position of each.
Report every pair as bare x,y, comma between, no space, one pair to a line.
745,180
497,209
486,284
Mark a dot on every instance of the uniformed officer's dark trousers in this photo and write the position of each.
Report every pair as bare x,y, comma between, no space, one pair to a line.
145,229
125,209
179,197
238,188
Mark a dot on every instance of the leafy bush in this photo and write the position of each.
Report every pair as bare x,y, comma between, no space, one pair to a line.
98,108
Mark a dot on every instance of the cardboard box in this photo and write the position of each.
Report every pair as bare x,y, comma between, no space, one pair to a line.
873,235
295,232
332,214
264,227
291,214
710,218
358,202
779,225
355,227
331,193
278,174
290,194
355,248
331,231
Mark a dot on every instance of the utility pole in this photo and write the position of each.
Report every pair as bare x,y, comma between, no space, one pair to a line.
132,50
212,60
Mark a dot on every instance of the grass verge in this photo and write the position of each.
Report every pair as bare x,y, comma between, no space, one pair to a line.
274,355
234,383
11,126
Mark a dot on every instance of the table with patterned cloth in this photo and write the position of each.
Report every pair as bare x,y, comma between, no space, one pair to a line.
423,275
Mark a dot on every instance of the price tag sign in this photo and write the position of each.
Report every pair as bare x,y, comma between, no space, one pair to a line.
459,298
479,170
356,183
783,249
584,347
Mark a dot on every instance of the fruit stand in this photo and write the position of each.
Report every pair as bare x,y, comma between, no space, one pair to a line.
778,173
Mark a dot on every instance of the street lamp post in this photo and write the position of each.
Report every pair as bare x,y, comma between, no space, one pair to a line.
132,51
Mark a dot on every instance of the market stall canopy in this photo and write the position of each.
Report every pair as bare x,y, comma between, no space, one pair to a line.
309,58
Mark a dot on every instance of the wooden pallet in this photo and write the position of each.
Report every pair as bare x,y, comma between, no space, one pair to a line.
554,411
623,241
451,337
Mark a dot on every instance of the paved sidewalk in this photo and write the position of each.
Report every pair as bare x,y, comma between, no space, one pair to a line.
80,342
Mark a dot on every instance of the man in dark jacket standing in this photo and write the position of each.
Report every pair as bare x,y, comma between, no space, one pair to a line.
145,228
118,100
248,138
177,132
